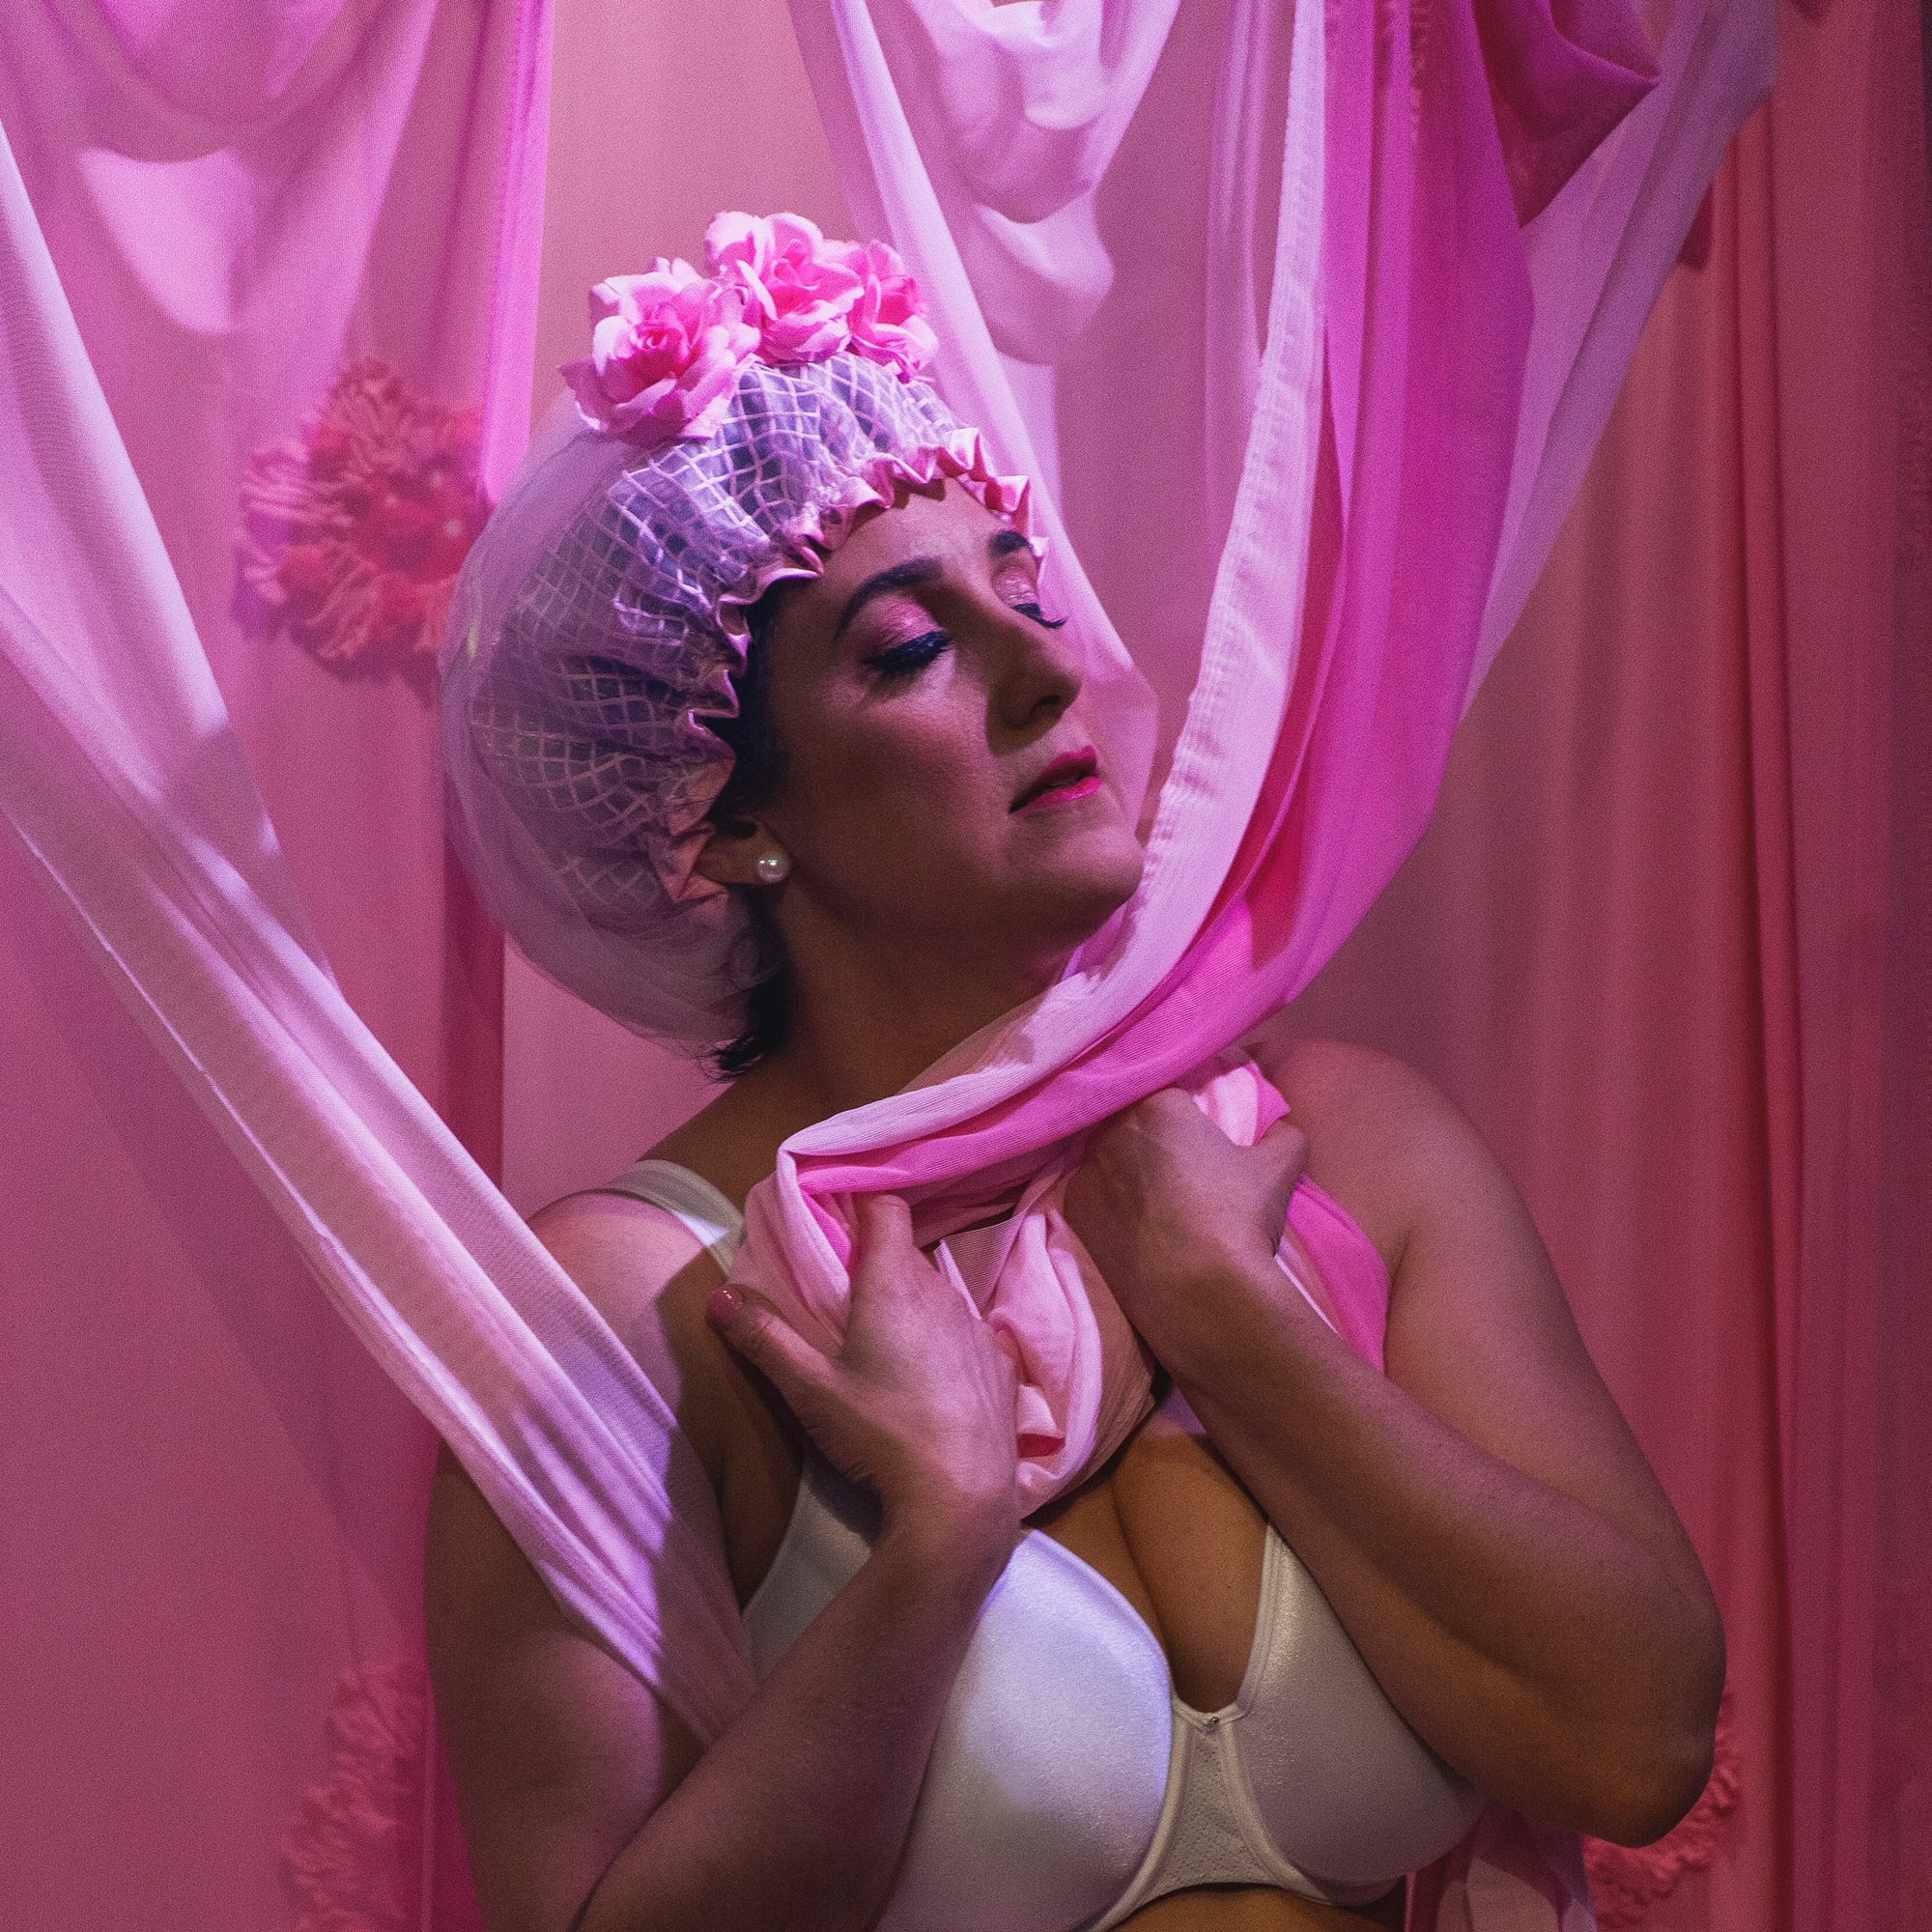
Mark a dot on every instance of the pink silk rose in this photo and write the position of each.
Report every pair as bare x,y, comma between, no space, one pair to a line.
797,287
665,349
887,322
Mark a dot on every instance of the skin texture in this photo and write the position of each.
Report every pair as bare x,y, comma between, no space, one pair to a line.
1480,1518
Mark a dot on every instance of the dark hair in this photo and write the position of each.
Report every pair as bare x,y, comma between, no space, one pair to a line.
758,771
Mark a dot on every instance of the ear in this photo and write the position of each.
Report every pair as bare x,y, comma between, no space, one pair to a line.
730,858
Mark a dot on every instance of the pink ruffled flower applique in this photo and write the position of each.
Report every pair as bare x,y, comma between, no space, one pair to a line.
798,288
351,1855
665,349
887,321
1627,1881
353,529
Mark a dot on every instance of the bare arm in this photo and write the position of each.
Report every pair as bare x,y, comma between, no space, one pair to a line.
1480,1518
588,1804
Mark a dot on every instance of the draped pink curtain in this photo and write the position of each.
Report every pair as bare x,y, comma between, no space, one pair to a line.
1668,941
209,1604
241,202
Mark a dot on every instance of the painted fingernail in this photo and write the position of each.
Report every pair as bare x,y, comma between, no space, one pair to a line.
721,1306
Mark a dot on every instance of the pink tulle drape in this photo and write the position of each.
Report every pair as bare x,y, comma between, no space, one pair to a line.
299,242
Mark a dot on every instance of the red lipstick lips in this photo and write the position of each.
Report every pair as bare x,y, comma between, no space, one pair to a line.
1075,775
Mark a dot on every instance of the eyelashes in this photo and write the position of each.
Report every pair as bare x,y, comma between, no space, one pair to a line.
914,654
903,660
1032,610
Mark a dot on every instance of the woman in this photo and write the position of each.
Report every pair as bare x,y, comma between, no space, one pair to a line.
914,822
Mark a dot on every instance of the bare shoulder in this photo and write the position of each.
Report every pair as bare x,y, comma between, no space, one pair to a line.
1351,1088
1479,1330
649,1275
1385,1140
622,1252
558,1752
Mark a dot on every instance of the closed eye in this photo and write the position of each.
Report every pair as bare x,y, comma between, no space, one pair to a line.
1031,609
903,660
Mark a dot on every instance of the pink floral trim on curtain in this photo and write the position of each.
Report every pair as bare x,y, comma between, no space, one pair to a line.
1626,1881
353,1855
353,529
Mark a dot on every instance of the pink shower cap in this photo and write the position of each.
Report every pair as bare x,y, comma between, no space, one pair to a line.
720,437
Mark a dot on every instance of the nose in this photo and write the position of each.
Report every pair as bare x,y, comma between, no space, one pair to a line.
1041,671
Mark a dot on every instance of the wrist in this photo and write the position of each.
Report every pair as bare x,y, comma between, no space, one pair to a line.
1220,1312
953,1542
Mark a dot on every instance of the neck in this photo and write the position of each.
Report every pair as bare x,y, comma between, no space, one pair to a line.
866,1019
867,1022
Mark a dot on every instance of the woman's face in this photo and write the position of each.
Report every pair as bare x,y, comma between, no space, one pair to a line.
941,784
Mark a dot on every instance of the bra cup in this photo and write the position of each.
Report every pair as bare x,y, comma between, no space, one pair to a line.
1043,1799
1048,1773
1049,1769
1347,1790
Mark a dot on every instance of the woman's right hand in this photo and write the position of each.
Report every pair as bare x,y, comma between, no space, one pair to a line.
918,1403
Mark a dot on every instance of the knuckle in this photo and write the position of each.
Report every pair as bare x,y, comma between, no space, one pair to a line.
760,1333
881,1222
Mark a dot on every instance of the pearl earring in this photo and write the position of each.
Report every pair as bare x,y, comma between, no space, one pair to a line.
772,867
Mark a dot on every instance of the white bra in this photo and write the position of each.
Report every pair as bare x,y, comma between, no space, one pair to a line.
1068,1784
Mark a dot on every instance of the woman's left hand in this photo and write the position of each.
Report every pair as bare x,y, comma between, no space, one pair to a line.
1164,1200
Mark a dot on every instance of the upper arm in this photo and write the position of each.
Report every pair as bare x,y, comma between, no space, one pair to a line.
557,1751
1479,1331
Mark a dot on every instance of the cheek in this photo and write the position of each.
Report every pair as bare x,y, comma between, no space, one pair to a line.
896,790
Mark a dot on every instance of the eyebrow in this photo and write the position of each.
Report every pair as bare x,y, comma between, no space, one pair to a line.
920,570
913,570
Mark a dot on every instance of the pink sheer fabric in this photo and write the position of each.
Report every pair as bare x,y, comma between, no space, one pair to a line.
215,1495
1398,487
1303,775
242,202
1299,780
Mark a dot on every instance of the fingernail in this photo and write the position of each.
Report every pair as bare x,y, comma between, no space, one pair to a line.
721,1306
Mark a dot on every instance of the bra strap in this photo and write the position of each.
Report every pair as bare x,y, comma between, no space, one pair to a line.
688,1198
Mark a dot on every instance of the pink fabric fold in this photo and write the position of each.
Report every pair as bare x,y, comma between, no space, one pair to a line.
222,209
1380,485
1086,1382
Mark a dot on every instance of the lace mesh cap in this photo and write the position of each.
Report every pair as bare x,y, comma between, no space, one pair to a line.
595,631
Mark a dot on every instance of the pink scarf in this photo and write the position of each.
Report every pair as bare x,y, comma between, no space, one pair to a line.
1085,1380
1381,493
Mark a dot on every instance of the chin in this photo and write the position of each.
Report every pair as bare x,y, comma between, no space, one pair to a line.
1078,897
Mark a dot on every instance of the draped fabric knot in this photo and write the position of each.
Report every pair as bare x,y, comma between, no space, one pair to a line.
353,529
